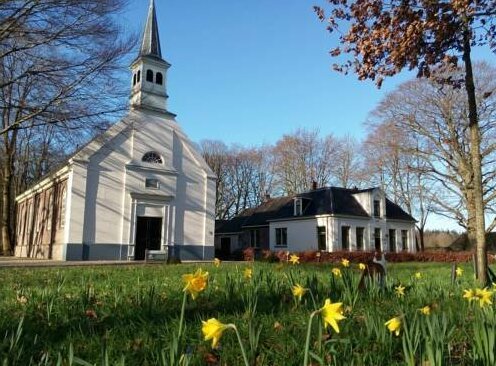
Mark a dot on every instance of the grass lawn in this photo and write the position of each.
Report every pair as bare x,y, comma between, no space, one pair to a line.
129,315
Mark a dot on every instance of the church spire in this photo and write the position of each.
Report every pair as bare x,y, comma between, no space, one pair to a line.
149,80
150,45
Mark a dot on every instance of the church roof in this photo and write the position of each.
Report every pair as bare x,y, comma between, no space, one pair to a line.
150,44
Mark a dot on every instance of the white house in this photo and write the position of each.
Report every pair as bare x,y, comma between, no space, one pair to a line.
327,219
141,185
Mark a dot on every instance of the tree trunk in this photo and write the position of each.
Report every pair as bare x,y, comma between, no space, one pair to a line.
475,154
6,209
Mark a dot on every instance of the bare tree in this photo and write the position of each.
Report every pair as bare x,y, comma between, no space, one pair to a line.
437,122
244,176
389,163
60,63
347,162
302,158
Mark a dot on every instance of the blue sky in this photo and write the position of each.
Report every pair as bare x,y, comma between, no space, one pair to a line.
247,72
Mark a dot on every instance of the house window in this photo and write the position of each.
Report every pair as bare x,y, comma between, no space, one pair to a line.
321,237
404,239
138,79
62,208
392,240
134,79
359,238
149,76
298,207
345,237
152,157
377,208
377,239
255,238
152,183
281,237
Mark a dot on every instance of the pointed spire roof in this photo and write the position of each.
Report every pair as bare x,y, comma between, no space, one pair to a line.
150,45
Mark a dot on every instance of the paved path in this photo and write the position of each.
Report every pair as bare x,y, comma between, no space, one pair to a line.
12,262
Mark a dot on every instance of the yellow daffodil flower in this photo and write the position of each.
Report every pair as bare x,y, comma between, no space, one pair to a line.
336,272
394,325
217,262
294,259
248,273
469,294
362,266
418,275
484,296
400,291
212,329
459,271
299,291
426,310
331,314
345,262
195,283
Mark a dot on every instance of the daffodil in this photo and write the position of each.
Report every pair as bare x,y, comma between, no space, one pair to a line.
399,290
195,283
469,294
484,296
459,271
362,266
394,325
248,273
418,275
331,314
294,259
426,310
217,262
299,291
336,272
212,329
345,262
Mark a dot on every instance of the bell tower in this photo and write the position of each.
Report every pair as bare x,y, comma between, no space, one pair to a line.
149,70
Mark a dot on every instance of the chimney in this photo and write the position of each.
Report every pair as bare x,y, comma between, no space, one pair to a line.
314,185
267,196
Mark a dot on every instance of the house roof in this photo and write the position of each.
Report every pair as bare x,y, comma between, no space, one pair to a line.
324,201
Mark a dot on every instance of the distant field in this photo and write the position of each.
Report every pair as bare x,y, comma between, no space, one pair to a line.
128,315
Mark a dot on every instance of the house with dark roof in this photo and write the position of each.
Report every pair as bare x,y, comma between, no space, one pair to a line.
327,219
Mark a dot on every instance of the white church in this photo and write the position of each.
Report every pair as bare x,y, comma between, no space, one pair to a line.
141,186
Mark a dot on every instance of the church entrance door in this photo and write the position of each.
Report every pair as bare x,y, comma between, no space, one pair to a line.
148,236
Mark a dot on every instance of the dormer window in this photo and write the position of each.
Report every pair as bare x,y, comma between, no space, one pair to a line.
298,207
152,157
377,208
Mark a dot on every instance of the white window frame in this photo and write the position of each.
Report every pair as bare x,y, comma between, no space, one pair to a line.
298,207
280,236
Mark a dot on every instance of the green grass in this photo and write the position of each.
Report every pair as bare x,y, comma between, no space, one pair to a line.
137,312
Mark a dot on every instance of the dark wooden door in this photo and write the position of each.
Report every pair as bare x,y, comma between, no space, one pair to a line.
148,236
225,247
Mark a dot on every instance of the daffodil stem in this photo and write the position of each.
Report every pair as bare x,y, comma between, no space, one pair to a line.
309,333
245,359
181,319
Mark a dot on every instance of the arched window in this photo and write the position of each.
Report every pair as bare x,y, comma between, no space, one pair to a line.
159,78
152,157
149,76
134,79
139,76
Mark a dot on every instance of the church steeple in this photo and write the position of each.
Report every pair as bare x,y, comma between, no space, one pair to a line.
150,69
150,45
